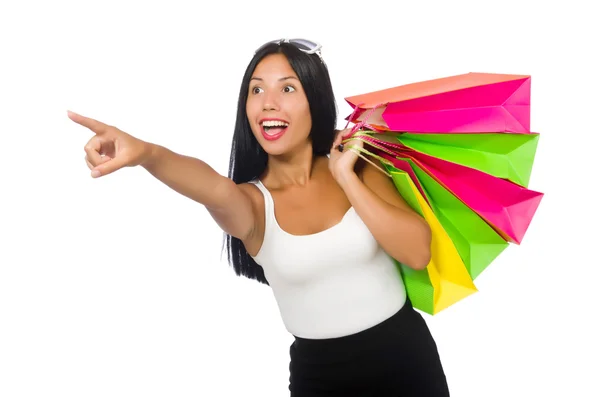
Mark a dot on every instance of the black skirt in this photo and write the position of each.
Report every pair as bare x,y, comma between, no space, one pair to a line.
396,358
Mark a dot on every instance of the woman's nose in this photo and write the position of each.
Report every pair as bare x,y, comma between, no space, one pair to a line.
270,103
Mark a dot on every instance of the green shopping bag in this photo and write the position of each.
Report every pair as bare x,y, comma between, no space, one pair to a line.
503,155
476,241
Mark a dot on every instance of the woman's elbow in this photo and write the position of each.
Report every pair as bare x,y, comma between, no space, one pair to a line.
421,252
420,260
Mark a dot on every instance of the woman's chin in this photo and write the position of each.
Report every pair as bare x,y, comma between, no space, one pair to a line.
287,150
276,147
277,151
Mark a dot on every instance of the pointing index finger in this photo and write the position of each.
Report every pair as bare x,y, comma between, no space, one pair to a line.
94,125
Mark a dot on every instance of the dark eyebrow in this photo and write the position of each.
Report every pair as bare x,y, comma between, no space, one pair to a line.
281,79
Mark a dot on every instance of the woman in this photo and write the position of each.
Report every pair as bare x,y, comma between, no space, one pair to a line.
303,214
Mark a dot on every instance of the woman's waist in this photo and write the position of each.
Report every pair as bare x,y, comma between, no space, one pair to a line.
381,336
328,311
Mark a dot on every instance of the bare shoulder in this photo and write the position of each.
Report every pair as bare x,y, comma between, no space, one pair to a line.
251,190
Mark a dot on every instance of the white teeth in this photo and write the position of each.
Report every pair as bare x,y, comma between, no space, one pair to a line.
274,123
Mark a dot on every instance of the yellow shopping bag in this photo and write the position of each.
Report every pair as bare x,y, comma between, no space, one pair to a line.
446,279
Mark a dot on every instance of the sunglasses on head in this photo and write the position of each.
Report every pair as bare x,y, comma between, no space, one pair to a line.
306,46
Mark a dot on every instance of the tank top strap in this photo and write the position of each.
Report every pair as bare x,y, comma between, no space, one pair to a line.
269,205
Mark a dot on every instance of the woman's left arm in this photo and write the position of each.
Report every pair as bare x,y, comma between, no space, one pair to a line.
400,231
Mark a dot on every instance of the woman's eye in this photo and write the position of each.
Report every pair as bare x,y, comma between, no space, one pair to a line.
256,90
289,88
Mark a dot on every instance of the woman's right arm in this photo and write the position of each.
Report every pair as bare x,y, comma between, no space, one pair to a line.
111,149
228,203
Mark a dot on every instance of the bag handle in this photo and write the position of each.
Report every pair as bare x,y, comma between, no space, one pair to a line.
362,124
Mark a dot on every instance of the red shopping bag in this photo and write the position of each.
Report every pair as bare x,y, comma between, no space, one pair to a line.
467,103
507,207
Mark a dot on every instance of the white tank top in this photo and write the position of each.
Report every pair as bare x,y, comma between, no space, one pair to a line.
329,284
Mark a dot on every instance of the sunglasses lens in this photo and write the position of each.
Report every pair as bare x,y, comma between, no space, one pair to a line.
303,44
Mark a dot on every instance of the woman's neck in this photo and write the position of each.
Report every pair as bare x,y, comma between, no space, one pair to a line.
295,169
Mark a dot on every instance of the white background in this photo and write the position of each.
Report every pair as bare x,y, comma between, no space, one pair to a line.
117,287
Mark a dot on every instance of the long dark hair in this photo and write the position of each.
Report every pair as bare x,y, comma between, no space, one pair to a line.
248,160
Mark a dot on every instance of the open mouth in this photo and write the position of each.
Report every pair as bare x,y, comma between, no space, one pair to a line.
274,127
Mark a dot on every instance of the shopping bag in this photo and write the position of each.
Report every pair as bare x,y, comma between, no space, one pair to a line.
477,243
460,152
467,103
503,155
504,205
445,281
